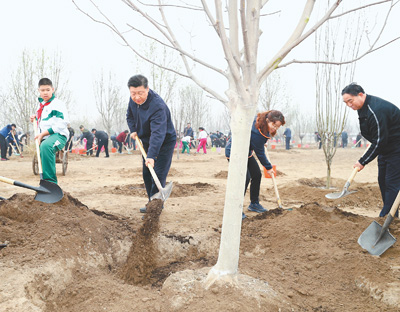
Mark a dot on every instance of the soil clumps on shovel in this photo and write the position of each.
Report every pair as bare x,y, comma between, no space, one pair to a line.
142,257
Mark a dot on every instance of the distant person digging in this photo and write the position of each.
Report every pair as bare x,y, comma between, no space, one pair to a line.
380,125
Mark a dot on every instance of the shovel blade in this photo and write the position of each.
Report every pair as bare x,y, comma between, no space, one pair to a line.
369,237
48,192
164,193
337,195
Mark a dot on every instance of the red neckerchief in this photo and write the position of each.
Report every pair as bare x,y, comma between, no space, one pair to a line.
40,110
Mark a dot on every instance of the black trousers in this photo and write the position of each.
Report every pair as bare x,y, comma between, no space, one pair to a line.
100,145
389,179
161,168
89,146
3,146
254,176
119,146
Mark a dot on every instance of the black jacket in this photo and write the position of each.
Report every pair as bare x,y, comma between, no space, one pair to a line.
380,125
101,135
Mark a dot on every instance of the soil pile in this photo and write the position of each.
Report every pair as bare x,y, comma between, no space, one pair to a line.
142,257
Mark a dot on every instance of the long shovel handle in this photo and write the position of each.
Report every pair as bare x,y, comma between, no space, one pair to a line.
153,173
278,198
16,143
17,183
395,205
352,176
37,148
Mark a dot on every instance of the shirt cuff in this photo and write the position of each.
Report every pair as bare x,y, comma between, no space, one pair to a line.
50,130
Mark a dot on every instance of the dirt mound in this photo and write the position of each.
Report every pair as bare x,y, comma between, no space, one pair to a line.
39,231
313,250
178,190
221,175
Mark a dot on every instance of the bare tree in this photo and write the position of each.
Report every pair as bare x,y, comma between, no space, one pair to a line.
332,42
20,101
108,100
237,27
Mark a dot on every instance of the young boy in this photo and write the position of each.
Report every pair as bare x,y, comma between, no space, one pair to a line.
52,121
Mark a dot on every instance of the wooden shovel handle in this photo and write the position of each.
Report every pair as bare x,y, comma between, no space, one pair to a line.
7,180
352,176
278,198
395,205
153,173
37,148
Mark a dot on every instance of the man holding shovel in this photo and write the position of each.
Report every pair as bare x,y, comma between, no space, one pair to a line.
52,121
149,119
380,125
5,133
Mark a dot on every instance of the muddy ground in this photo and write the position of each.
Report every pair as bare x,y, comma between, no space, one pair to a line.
92,251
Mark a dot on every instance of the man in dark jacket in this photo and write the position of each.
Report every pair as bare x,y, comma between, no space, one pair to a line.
380,125
102,140
188,131
149,119
89,140
5,133
288,136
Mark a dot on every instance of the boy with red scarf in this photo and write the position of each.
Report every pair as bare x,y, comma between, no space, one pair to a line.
52,121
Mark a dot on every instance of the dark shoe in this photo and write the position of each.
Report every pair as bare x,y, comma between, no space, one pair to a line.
243,216
256,207
143,210
106,156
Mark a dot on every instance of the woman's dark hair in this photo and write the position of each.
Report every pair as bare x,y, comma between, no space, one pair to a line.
271,115
137,81
353,89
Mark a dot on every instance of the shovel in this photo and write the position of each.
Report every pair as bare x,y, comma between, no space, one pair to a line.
16,144
345,190
377,239
164,192
278,199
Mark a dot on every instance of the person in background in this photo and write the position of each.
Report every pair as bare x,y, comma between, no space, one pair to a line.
102,140
185,142
4,134
345,139
202,140
188,131
52,120
358,140
68,146
149,120
379,124
121,140
288,136
86,134
265,126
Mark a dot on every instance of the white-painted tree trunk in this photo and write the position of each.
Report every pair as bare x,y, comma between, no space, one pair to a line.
226,267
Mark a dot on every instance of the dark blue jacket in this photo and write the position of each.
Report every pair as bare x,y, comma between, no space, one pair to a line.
152,122
380,125
257,141
5,132
288,133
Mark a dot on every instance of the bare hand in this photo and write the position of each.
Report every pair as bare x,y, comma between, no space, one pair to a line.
133,135
33,117
271,172
149,161
359,166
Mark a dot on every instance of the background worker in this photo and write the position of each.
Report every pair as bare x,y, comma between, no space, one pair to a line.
4,134
102,140
380,125
121,140
52,120
86,134
149,118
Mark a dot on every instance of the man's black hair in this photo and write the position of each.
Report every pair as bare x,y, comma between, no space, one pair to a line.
94,129
137,81
353,89
13,125
45,82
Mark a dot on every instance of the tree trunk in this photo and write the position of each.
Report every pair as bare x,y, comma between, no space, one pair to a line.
228,259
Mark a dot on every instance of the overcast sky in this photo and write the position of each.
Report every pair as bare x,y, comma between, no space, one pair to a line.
87,48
